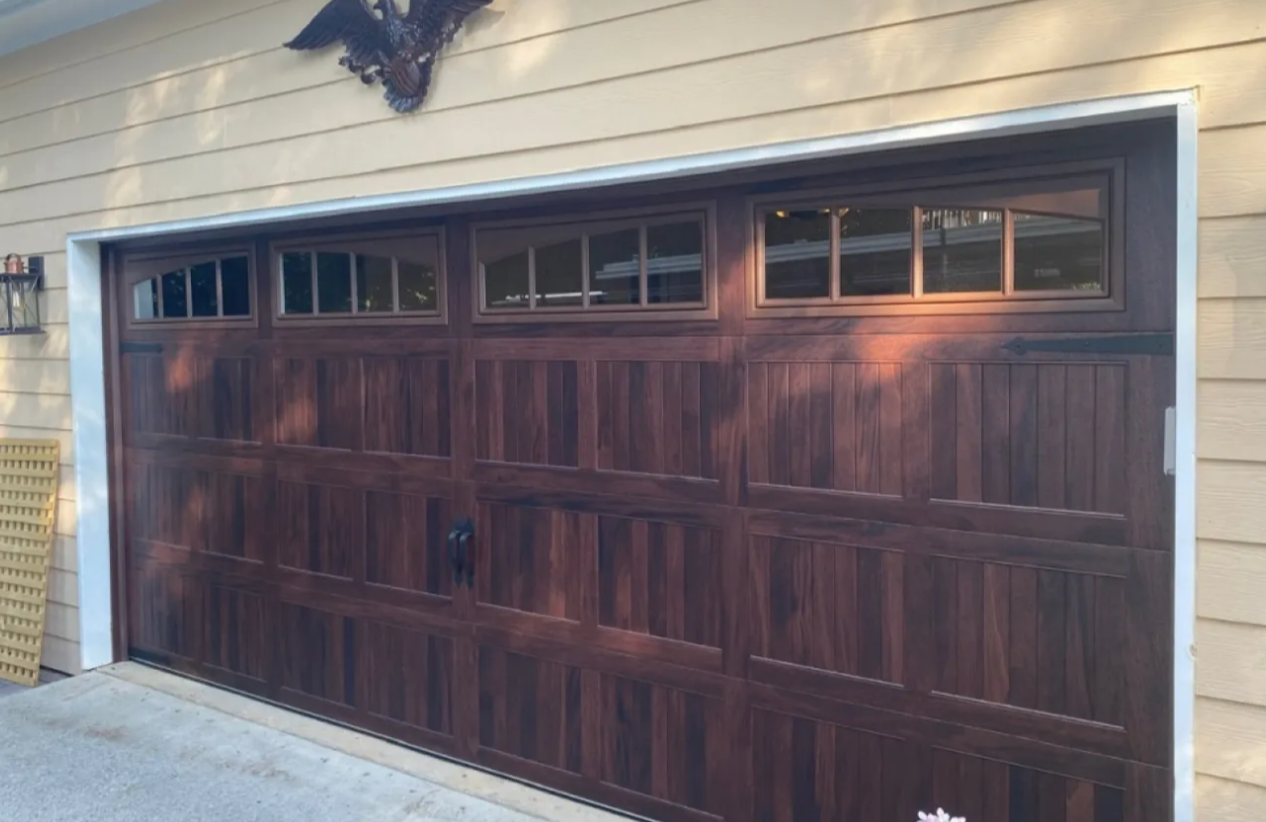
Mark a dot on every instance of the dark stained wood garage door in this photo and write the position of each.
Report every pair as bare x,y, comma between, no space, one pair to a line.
775,517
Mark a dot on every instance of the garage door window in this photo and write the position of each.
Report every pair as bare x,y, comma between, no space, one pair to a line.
637,264
1040,240
363,278
218,288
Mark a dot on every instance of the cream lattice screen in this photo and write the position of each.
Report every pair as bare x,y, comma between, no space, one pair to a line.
28,503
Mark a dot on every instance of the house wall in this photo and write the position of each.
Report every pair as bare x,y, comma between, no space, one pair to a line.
190,108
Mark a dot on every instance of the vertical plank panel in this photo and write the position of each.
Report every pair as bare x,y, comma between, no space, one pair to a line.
1051,429
944,428
1079,646
997,632
1023,419
758,423
917,416
555,426
1109,639
847,620
511,412
605,392
1110,460
1052,658
970,626
638,573
588,424
621,424
1148,665
946,571
844,430
673,463
996,434
1079,478
483,409
800,420
657,605
691,419
780,433
891,427
870,613
821,447
1079,801
1024,638
894,616
921,618
822,604
639,419
869,428
968,460
675,582
760,619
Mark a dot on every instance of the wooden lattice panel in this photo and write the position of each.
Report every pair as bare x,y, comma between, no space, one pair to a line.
28,502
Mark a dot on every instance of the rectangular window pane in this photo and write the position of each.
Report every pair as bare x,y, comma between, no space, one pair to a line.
175,300
374,293
296,282
202,282
797,254
235,286
876,245
506,282
418,291
334,283
145,297
674,263
1058,253
615,269
559,274
962,251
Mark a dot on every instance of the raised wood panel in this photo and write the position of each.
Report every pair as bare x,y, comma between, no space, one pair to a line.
162,395
1231,578
528,559
226,398
657,417
527,412
1045,436
319,528
831,607
1231,501
407,406
1041,640
1232,662
318,653
1231,341
813,770
530,708
661,742
405,540
834,426
168,505
319,402
1229,741
1231,419
409,677
660,579
235,631
164,610
1233,253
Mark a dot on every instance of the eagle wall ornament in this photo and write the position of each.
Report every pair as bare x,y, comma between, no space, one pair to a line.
398,50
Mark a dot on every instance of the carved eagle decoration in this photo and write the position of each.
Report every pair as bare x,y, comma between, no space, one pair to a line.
398,50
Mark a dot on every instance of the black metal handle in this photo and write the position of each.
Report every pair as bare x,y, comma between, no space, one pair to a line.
463,529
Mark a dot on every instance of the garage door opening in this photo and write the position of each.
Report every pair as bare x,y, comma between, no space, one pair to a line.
828,492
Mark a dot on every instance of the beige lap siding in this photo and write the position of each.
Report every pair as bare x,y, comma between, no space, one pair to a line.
190,108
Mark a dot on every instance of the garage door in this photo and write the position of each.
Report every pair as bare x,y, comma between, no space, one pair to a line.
829,497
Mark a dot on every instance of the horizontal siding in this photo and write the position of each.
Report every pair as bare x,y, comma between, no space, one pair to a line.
1232,582
61,655
1222,800
1232,501
1232,338
1233,417
1233,256
1231,737
1231,661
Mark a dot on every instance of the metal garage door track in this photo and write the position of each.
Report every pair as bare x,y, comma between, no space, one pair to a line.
129,744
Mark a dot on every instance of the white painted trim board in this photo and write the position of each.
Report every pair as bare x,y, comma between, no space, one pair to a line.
88,369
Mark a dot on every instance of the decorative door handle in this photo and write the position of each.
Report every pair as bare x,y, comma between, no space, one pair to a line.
462,531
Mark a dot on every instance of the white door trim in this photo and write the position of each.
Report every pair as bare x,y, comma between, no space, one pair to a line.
88,375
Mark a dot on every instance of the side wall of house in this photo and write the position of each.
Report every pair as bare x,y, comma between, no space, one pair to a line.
191,108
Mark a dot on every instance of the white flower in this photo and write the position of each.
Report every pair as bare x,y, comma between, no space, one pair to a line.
940,816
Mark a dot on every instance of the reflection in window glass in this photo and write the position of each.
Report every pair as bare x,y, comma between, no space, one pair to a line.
202,284
334,283
235,286
506,282
674,263
876,245
296,282
373,284
559,274
175,298
797,254
614,268
1058,253
145,297
962,251
417,286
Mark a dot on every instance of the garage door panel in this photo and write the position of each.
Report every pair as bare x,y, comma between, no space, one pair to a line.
584,482
404,542
529,559
833,426
409,677
319,651
235,628
319,529
407,406
162,394
319,402
829,607
530,708
527,412
1048,436
165,611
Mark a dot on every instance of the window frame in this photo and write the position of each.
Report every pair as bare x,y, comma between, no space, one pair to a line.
969,192
138,268
337,244
644,311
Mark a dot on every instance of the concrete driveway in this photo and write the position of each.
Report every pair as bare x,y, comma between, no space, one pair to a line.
129,744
